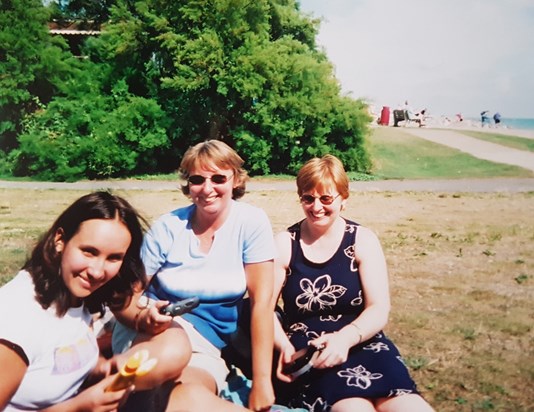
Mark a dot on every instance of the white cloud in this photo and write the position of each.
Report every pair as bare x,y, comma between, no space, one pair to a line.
447,55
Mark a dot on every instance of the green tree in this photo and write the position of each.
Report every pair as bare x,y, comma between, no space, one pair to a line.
247,72
90,134
96,11
164,75
33,65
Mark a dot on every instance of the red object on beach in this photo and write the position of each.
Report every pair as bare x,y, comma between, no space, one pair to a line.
384,116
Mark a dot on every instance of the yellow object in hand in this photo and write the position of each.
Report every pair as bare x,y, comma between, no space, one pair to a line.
137,365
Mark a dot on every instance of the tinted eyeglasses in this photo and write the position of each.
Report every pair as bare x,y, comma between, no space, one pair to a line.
324,199
196,180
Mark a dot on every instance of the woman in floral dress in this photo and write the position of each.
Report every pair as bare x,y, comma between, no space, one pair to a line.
333,280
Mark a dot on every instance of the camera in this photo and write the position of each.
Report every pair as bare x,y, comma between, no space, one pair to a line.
301,362
180,307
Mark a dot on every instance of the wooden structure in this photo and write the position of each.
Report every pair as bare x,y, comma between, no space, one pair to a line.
74,32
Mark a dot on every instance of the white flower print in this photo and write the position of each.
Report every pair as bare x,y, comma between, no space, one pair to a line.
357,301
318,406
359,376
399,392
376,347
350,252
330,318
313,335
350,228
318,295
298,327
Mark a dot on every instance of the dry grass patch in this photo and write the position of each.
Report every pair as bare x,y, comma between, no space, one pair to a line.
461,269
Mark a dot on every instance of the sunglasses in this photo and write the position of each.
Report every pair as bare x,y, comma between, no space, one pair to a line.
196,180
324,199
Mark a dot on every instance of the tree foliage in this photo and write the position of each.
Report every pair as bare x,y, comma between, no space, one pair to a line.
32,65
166,74
93,135
96,11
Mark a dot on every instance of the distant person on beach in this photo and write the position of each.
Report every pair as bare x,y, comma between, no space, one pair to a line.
484,117
411,115
420,117
332,276
497,118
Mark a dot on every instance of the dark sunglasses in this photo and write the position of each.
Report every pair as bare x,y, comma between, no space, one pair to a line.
215,179
324,199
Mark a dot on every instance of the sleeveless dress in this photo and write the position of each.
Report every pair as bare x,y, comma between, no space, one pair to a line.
322,298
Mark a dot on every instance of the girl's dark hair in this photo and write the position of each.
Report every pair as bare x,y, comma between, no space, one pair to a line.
44,263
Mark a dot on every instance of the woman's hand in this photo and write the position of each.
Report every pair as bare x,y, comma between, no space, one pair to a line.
150,321
261,396
286,354
334,349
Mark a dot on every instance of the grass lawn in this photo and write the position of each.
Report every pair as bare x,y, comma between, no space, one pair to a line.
461,276
461,266
521,143
399,155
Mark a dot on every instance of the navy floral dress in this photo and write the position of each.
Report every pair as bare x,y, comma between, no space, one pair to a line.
324,297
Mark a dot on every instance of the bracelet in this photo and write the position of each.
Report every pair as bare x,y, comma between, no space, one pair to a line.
137,319
360,336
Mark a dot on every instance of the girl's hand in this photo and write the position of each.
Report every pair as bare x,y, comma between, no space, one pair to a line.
94,399
103,368
286,354
334,350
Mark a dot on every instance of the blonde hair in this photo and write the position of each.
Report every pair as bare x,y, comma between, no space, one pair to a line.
321,173
214,153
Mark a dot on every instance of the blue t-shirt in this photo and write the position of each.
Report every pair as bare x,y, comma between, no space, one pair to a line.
171,253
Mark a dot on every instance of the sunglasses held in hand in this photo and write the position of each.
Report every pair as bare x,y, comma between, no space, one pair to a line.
324,199
215,179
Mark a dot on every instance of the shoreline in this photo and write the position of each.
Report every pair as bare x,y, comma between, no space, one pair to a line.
489,185
466,124
508,131
475,126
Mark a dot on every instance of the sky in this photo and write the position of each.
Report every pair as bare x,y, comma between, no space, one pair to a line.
449,56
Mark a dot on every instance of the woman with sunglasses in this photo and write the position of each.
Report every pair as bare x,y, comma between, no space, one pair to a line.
333,280
216,249
88,259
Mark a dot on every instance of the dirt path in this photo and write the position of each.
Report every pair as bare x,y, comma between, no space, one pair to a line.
457,185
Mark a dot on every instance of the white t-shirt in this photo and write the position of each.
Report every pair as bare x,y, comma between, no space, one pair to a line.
61,351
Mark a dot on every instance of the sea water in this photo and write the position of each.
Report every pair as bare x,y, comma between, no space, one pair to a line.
511,123
524,124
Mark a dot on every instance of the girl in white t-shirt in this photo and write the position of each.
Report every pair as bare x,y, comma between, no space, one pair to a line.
89,259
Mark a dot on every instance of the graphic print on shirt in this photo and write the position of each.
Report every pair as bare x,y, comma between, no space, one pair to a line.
70,358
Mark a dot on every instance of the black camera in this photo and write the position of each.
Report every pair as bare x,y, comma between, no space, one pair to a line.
301,362
180,307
